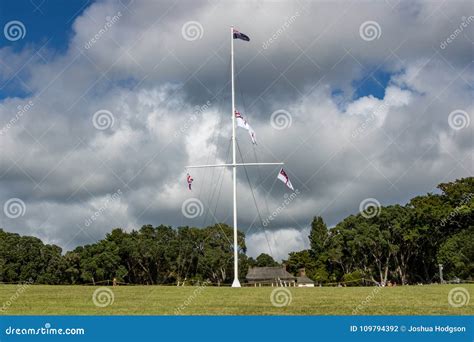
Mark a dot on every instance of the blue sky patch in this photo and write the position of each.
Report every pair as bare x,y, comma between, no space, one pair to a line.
45,21
373,84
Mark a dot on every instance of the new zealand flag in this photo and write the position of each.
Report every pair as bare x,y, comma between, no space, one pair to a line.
238,35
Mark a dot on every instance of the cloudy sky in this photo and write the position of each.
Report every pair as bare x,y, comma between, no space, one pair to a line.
103,104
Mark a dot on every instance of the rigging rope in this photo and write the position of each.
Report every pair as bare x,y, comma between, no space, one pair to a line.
255,201
254,148
221,179
211,194
219,102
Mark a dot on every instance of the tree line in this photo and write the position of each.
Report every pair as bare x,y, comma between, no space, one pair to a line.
402,244
396,243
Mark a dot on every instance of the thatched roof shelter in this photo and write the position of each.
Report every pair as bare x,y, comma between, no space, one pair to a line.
269,275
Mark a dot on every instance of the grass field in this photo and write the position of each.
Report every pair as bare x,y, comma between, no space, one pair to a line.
166,300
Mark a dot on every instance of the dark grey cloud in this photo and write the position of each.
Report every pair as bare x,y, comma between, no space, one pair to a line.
338,150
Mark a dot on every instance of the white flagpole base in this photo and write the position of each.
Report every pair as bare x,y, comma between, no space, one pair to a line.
236,283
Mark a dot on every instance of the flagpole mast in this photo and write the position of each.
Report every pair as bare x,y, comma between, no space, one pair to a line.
236,282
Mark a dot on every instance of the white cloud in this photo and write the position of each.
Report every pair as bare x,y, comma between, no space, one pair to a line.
277,243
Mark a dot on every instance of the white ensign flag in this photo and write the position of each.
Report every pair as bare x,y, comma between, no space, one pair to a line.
241,122
285,179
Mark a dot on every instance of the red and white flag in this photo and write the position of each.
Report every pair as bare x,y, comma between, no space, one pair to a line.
285,179
189,180
241,122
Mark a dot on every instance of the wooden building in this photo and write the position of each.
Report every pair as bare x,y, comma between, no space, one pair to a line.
277,276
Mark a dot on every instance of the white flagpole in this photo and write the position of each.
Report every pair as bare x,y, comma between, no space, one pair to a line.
236,282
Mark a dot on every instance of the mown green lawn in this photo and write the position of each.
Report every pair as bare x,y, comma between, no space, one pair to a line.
166,300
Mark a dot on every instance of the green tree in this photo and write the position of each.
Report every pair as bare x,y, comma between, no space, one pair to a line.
457,255
318,235
265,260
